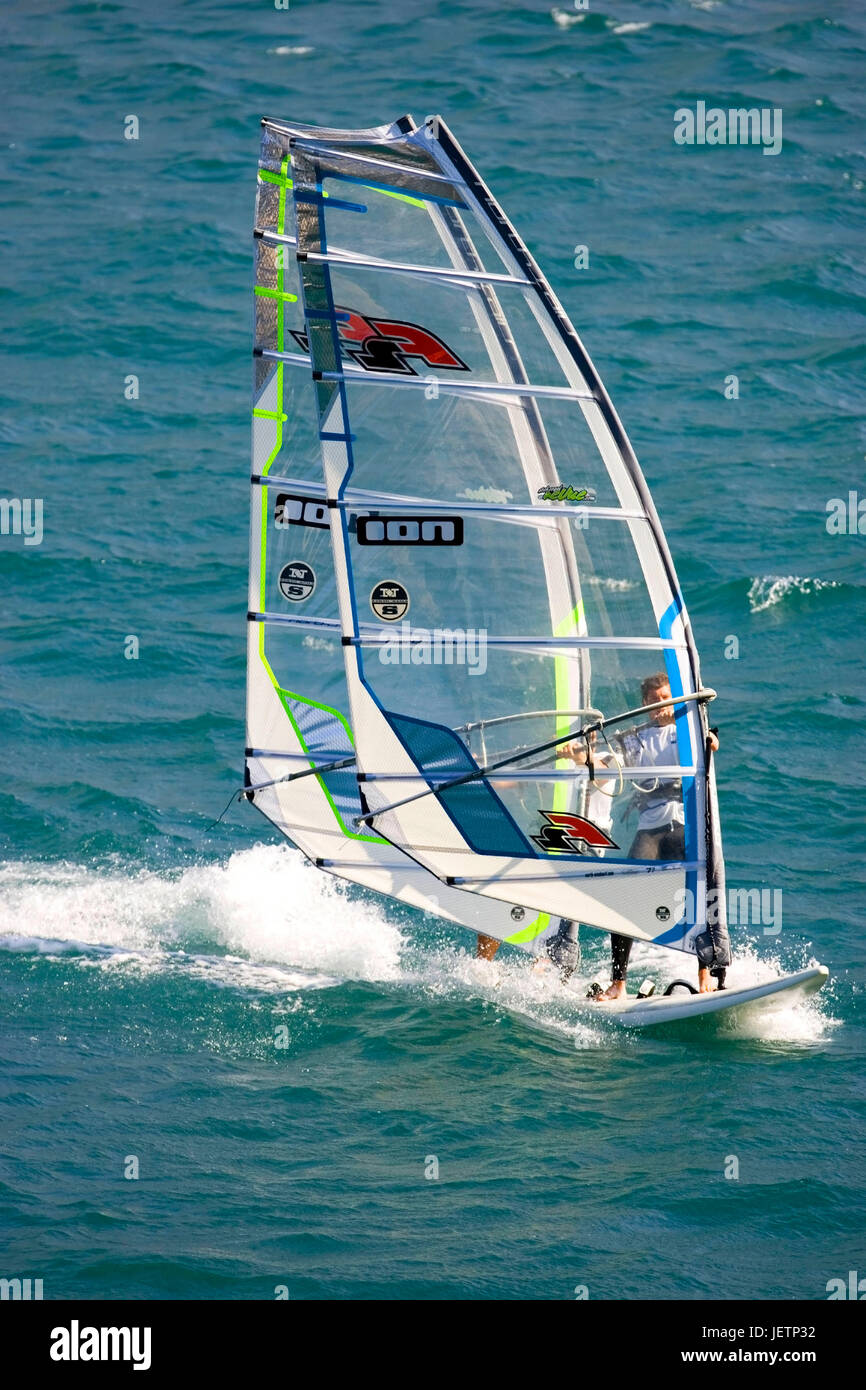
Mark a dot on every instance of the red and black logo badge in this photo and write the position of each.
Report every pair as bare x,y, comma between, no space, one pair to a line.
385,345
570,834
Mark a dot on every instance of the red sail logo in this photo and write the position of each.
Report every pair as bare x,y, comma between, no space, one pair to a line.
385,345
570,834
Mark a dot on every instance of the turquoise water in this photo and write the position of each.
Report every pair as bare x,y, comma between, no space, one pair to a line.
146,959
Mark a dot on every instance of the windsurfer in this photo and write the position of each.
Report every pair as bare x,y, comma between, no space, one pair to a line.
661,819
660,829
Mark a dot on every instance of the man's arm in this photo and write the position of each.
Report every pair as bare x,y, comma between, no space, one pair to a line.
576,751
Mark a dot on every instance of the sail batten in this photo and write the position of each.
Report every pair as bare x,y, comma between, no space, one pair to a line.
490,389
355,497
338,257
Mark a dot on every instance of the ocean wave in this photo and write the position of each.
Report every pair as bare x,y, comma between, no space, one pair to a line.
264,905
613,586
804,1022
772,589
565,18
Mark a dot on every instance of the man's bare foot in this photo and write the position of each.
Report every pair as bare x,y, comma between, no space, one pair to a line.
706,984
615,991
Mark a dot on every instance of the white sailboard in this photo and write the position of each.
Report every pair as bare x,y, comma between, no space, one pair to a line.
456,567
783,993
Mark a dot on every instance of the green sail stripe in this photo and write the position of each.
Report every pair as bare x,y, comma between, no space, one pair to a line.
401,197
286,695
569,627
278,416
276,294
541,923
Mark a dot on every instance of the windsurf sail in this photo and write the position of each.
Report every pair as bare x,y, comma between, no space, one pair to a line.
456,565
300,755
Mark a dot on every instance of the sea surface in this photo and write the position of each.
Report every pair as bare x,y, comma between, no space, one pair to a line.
148,958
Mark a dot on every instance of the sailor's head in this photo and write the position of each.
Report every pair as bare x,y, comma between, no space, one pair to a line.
656,689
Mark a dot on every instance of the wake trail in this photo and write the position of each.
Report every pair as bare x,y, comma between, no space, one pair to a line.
265,921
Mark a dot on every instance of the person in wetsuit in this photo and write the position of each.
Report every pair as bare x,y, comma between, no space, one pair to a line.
661,830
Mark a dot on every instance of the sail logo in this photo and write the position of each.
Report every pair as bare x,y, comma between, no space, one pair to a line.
385,345
410,530
564,492
300,511
390,601
297,581
570,834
